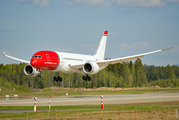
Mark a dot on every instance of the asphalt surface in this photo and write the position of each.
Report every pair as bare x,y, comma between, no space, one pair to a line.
93,100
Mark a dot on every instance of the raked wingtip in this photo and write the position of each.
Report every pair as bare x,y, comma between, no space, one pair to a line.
168,48
3,53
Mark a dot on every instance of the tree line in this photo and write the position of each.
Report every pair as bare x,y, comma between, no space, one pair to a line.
127,74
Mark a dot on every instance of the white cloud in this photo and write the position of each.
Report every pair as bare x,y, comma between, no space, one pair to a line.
89,45
42,3
139,45
174,0
102,3
143,3
65,50
123,45
106,3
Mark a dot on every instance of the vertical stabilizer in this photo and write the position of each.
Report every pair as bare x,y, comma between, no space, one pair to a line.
102,46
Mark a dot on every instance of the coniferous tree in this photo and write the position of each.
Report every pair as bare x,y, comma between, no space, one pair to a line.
170,74
132,71
115,75
126,73
140,74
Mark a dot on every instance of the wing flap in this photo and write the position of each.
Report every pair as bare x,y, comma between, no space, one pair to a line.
118,60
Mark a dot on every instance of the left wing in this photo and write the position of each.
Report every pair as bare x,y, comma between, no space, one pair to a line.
129,58
16,59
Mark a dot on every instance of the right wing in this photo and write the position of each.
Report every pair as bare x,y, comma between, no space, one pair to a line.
105,63
16,59
129,58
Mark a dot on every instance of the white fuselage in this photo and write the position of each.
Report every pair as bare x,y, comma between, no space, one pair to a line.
68,59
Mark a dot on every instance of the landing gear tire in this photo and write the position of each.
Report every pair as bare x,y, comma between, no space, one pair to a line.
39,75
86,78
57,79
89,78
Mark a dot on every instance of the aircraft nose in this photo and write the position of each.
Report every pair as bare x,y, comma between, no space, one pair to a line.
33,62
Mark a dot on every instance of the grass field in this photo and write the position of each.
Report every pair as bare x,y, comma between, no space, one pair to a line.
148,111
140,111
72,92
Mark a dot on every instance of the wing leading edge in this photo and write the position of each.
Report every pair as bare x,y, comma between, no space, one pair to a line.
16,59
128,58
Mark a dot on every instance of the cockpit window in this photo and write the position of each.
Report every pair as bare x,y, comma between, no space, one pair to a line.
37,56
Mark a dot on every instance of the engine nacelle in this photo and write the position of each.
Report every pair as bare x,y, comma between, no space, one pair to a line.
90,68
30,71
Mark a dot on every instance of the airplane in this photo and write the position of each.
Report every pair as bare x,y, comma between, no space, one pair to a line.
73,63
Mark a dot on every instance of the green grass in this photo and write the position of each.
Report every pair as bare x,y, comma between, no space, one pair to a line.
130,106
72,92
87,109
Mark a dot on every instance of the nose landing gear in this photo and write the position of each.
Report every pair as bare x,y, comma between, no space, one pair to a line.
39,75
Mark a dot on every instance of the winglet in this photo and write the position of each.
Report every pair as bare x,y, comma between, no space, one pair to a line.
105,32
3,53
168,48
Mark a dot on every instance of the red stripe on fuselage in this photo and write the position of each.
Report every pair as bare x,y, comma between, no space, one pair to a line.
49,60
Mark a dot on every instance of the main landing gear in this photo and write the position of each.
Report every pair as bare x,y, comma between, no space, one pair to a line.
57,79
86,78
60,79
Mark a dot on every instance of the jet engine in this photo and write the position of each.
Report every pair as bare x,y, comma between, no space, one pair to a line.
31,71
90,68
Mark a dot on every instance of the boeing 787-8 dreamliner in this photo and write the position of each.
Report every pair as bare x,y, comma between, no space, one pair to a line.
73,63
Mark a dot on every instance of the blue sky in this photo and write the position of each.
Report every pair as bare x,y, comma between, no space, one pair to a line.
135,26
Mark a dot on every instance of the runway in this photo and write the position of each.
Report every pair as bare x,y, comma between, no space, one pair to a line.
93,100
